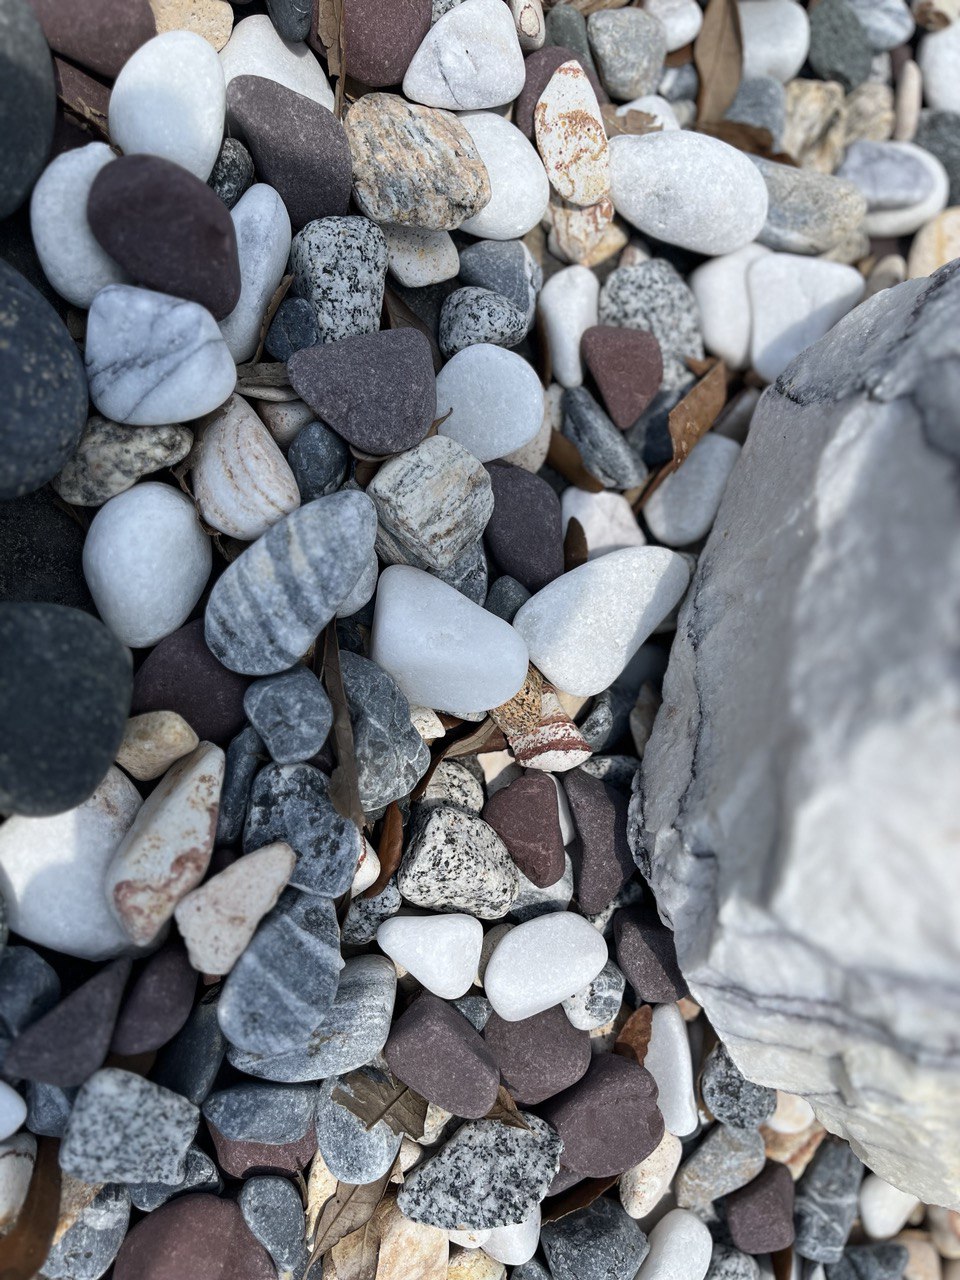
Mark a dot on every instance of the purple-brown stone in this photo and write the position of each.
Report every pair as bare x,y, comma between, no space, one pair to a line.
436,1052
525,533
627,366
647,955
380,38
526,818
182,675
159,1003
599,813
200,1236
98,34
760,1215
539,1057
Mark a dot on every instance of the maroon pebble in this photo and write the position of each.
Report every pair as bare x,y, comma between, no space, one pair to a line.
539,1057
182,675
380,38
241,1159
539,67
627,366
436,1052
98,34
525,532
760,1215
159,1003
195,1237
526,818
599,813
647,955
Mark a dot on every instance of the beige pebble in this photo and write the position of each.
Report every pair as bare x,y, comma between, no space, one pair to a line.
474,1264
571,138
689,1009
635,254
75,1197
814,130
642,1186
934,15
410,1153
795,1150
434,1125
884,274
869,114
587,236
212,19
217,920
284,419
944,1226
531,28
935,244
18,1155
427,723
907,102
321,1184
152,742
793,1114
923,1262
884,1208
410,1250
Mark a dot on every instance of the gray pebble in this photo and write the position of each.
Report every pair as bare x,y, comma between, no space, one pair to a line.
291,713
245,756
201,1174
453,787
110,457
726,1160
189,1063
729,1263
630,47
366,915
730,1097
352,1152
233,173
91,1241
48,1108
476,1009
293,328
678,84
600,1000
319,460
472,315
654,296
505,597
885,1261
567,27
273,1211
390,755
456,862
532,1270
601,1242
886,176
264,1113
939,133
468,574
29,987
826,1199
340,266
506,267
616,770
839,47
291,18
605,452
887,23
761,101
808,212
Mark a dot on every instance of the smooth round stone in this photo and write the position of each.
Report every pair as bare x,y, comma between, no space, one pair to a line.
681,19
630,46
571,137
13,1112
18,1154
720,289
436,1051
794,301
28,103
352,1152
839,46
938,132
273,1210
519,190
205,1233
652,104
291,17
99,36
605,863
494,400
293,327
884,1210
727,1159
760,1215
170,100
442,952
524,533
604,451
256,48
776,38
642,1186
568,307
540,67
45,400
201,1174
685,506
904,185
233,173
182,675
381,38
110,458
607,520
263,232
469,60
539,1056
592,1243
935,244
418,256
516,1243
455,862
937,56
340,265
542,962
470,316
628,368
687,204
41,550
668,1061
808,212
584,627
144,589
680,1248
72,259
887,23
525,816
167,230
92,1226
291,712
158,1005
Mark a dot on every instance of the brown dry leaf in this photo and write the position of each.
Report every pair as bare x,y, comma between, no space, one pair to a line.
278,296
506,1111
751,138
586,7
574,546
579,1197
696,413
634,1036
679,57
629,122
479,738
390,848
400,316
83,98
349,1209
718,56
564,456
782,1263
344,784
355,1257
375,1096
26,1246
270,374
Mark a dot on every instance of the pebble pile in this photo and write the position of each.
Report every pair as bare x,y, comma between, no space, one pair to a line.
372,373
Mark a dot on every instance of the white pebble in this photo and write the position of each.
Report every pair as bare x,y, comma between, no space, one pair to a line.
515,1244
18,1155
793,1114
939,58
606,518
170,100
584,627
146,561
884,1210
469,1239
469,60
685,506
720,288
680,1248
569,304
529,21
776,38
13,1110
441,951
651,104
668,1061
368,869
284,419
418,257
256,49
262,226
542,962
904,221
643,1186
519,190
494,400
681,19
571,136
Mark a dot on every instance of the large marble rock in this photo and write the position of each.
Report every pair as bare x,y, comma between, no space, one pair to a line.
794,813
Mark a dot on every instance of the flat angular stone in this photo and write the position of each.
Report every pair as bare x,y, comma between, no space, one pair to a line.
455,862
209,1230
597,1242
600,815
571,137
525,817
469,60
490,400
730,1097
352,1152
442,952
808,212
541,962
391,757
539,1056
291,712
340,266
647,956
436,1052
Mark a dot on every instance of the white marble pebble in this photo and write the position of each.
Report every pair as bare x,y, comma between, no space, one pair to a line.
368,869
494,400
680,1248
52,870
529,21
146,584
676,186
568,829
908,101
263,230
681,19
651,104
153,359
571,136
794,301
418,257
170,100
69,253
514,1244
606,518
255,48
939,58
18,1155
882,223
519,190
884,1209
776,38
532,455
441,951
469,60
568,303
443,650
668,1061
584,627
685,506
720,289
792,1115
541,962
13,1110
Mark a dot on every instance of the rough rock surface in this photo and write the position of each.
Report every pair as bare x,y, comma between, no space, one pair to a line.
782,798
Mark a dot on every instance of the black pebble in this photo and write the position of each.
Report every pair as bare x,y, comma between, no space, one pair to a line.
293,328
41,550
28,103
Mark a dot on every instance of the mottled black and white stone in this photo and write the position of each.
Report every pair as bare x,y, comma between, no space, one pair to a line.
489,1174
350,1033
352,1152
730,1097
476,1010
189,1063
366,915
91,1241
506,267
456,862
245,755
200,1174
293,328
600,1000
287,977
110,458
505,597
233,173
452,786
291,713
124,1128
390,755
48,1108
270,604
319,460
340,266
885,1261
292,803
472,315
273,1211
655,297
605,451
28,103
262,1113
825,1205
600,1242
729,1263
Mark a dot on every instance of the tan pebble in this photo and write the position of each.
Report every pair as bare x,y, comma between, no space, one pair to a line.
689,1009
410,1153
212,19
923,1262
531,28
571,138
885,274
433,1126
152,742
521,714
869,114
474,1264
951,1271
554,743
642,1186
284,420
468,1239
795,1150
944,1226
793,1114
321,1184
935,244
587,236
907,102
18,1155
427,723
635,254
218,920
814,130
410,1250
934,15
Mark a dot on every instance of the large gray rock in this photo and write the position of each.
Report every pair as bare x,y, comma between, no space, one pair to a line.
796,814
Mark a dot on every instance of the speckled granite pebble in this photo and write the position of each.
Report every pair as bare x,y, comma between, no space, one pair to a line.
600,1242
730,1097
340,266
456,862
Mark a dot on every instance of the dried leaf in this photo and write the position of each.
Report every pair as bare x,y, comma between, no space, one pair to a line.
634,1035
482,737
564,456
271,374
579,1197
375,1096
679,57
278,296
84,98
696,413
751,138
349,1209
782,1261
506,1111
574,545
344,784
390,848
586,7
718,55
629,122
26,1246
355,1257
400,316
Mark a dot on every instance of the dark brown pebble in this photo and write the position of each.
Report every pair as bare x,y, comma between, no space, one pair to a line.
760,1215
647,955
539,67
195,1237
599,813
436,1052
540,1056
380,38
627,366
98,34
159,1003
525,533
239,1158
182,675
526,818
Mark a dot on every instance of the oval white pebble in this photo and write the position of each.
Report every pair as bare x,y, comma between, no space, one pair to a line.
170,100
263,230
13,1110
571,136
494,400
939,58
514,1244
720,288
469,60
668,1061
542,962
255,48
519,190
677,187
417,257
680,1248
884,1210
776,38
606,518
569,305
681,19
146,561
685,506
906,220
441,951
652,104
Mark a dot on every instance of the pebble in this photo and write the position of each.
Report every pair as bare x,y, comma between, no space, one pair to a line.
903,184
524,533
28,101
643,1186
728,1263
451,784
201,1174
340,266
605,862
519,189
435,1051
938,132
541,65
571,137
584,627
319,460
630,46
776,38
871,1262
516,1243
598,1242
100,37
730,1097
808,212
728,1158
13,1112
158,1004
568,307
792,1113
469,60
93,1222
680,1248
184,120
265,1124
539,1056
28,988
568,27
532,901
607,520
207,1230
262,227
419,257
826,1202
609,1120
352,1152
41,550
442,952
490,401
884,1210
542,962
760,1215
293,328
937,57
273,1211
646,954
182,675
686,207
795,301
126,1129
887,23
681,19
944,1225
761,102
599,1002
18,1155
684,507
627,367
189,1063
720,289
52,869
471,316
654,297
391,757
269,605
256,48
48,1109
668,1061
152,359
489,1174
935,244
233,173
839,46
524,816
455,862
382,40
211,19
604,451
110,458
291,713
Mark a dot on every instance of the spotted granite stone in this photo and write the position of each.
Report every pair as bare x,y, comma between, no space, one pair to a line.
654,296
472,315
732,1098
456,862
340,266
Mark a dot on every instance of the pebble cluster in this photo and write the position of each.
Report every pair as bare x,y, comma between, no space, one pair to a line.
359,362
